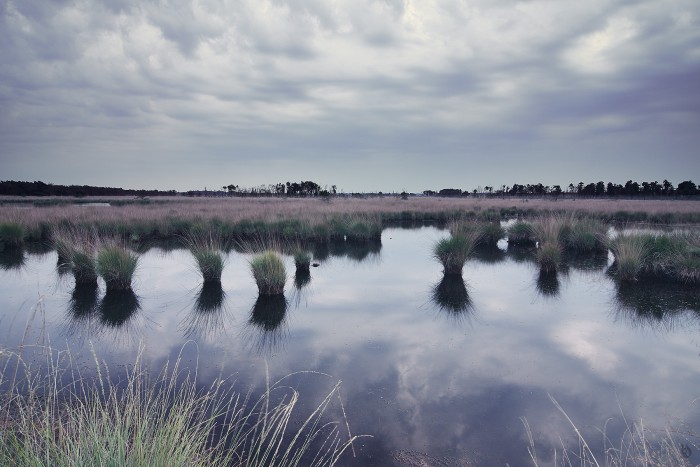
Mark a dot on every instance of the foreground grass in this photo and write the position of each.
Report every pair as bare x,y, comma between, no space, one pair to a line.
637,447
53,415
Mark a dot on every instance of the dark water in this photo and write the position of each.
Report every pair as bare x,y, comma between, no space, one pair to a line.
439,370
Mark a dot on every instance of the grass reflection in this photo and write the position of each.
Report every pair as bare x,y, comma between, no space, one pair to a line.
12,258
267,319
118,307
451,296
548,284
656,303
207,316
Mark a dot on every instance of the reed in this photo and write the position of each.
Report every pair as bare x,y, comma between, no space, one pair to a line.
269,272
116,265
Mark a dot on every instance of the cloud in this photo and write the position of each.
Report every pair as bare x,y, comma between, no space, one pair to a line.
375,81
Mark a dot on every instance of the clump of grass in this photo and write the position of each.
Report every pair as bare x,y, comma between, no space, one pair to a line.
631,255
11,235
585,235
76,249
302,260
210,263
116,265
453,252
490,233
549,256
269,272
521,233
56,414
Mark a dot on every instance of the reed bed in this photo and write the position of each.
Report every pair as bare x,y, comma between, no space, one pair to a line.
57,414
311,218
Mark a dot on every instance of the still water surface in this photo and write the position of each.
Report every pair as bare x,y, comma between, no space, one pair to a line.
439,372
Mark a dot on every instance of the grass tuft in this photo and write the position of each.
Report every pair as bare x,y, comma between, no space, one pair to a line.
453,252
269,272
116,265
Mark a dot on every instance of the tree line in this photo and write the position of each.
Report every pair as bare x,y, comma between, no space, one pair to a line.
597,189
38,188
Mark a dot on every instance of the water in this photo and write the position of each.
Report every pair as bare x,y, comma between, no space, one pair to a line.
439,372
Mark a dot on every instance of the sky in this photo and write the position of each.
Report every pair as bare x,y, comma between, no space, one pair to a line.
368,95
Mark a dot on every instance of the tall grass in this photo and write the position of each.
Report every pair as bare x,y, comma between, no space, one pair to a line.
116,265
521,233
11,235
57,415
207,248
269,272
453,252
637,446
77,247
302,260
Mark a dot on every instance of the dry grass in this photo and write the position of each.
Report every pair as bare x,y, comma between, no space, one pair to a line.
315,211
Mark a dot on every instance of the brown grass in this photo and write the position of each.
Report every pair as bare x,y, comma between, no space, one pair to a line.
314,210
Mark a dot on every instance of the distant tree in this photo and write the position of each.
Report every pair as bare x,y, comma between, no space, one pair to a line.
667,187
686,188
600,188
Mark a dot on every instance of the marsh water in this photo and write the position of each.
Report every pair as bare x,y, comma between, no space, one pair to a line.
438,370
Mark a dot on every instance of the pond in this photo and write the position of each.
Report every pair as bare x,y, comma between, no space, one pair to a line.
438,371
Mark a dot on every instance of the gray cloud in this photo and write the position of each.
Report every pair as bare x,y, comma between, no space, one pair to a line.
322,89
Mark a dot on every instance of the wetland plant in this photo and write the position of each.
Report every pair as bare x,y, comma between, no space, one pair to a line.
11,235
138,416
302,260
490,233
585,235
453,252
207,250
549,256
631,254
269,272
116,265
521,233
76,250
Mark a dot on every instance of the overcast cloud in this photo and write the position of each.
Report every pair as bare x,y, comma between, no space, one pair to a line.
365,94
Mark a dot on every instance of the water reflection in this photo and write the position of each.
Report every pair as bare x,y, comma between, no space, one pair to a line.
83,301
302,278
655,303
548,284
451,296
586,262
118,307
488,254
267,319
208,313
522,254
357,251
12,258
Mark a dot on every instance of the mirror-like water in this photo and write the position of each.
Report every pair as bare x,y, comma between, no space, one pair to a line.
440,370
